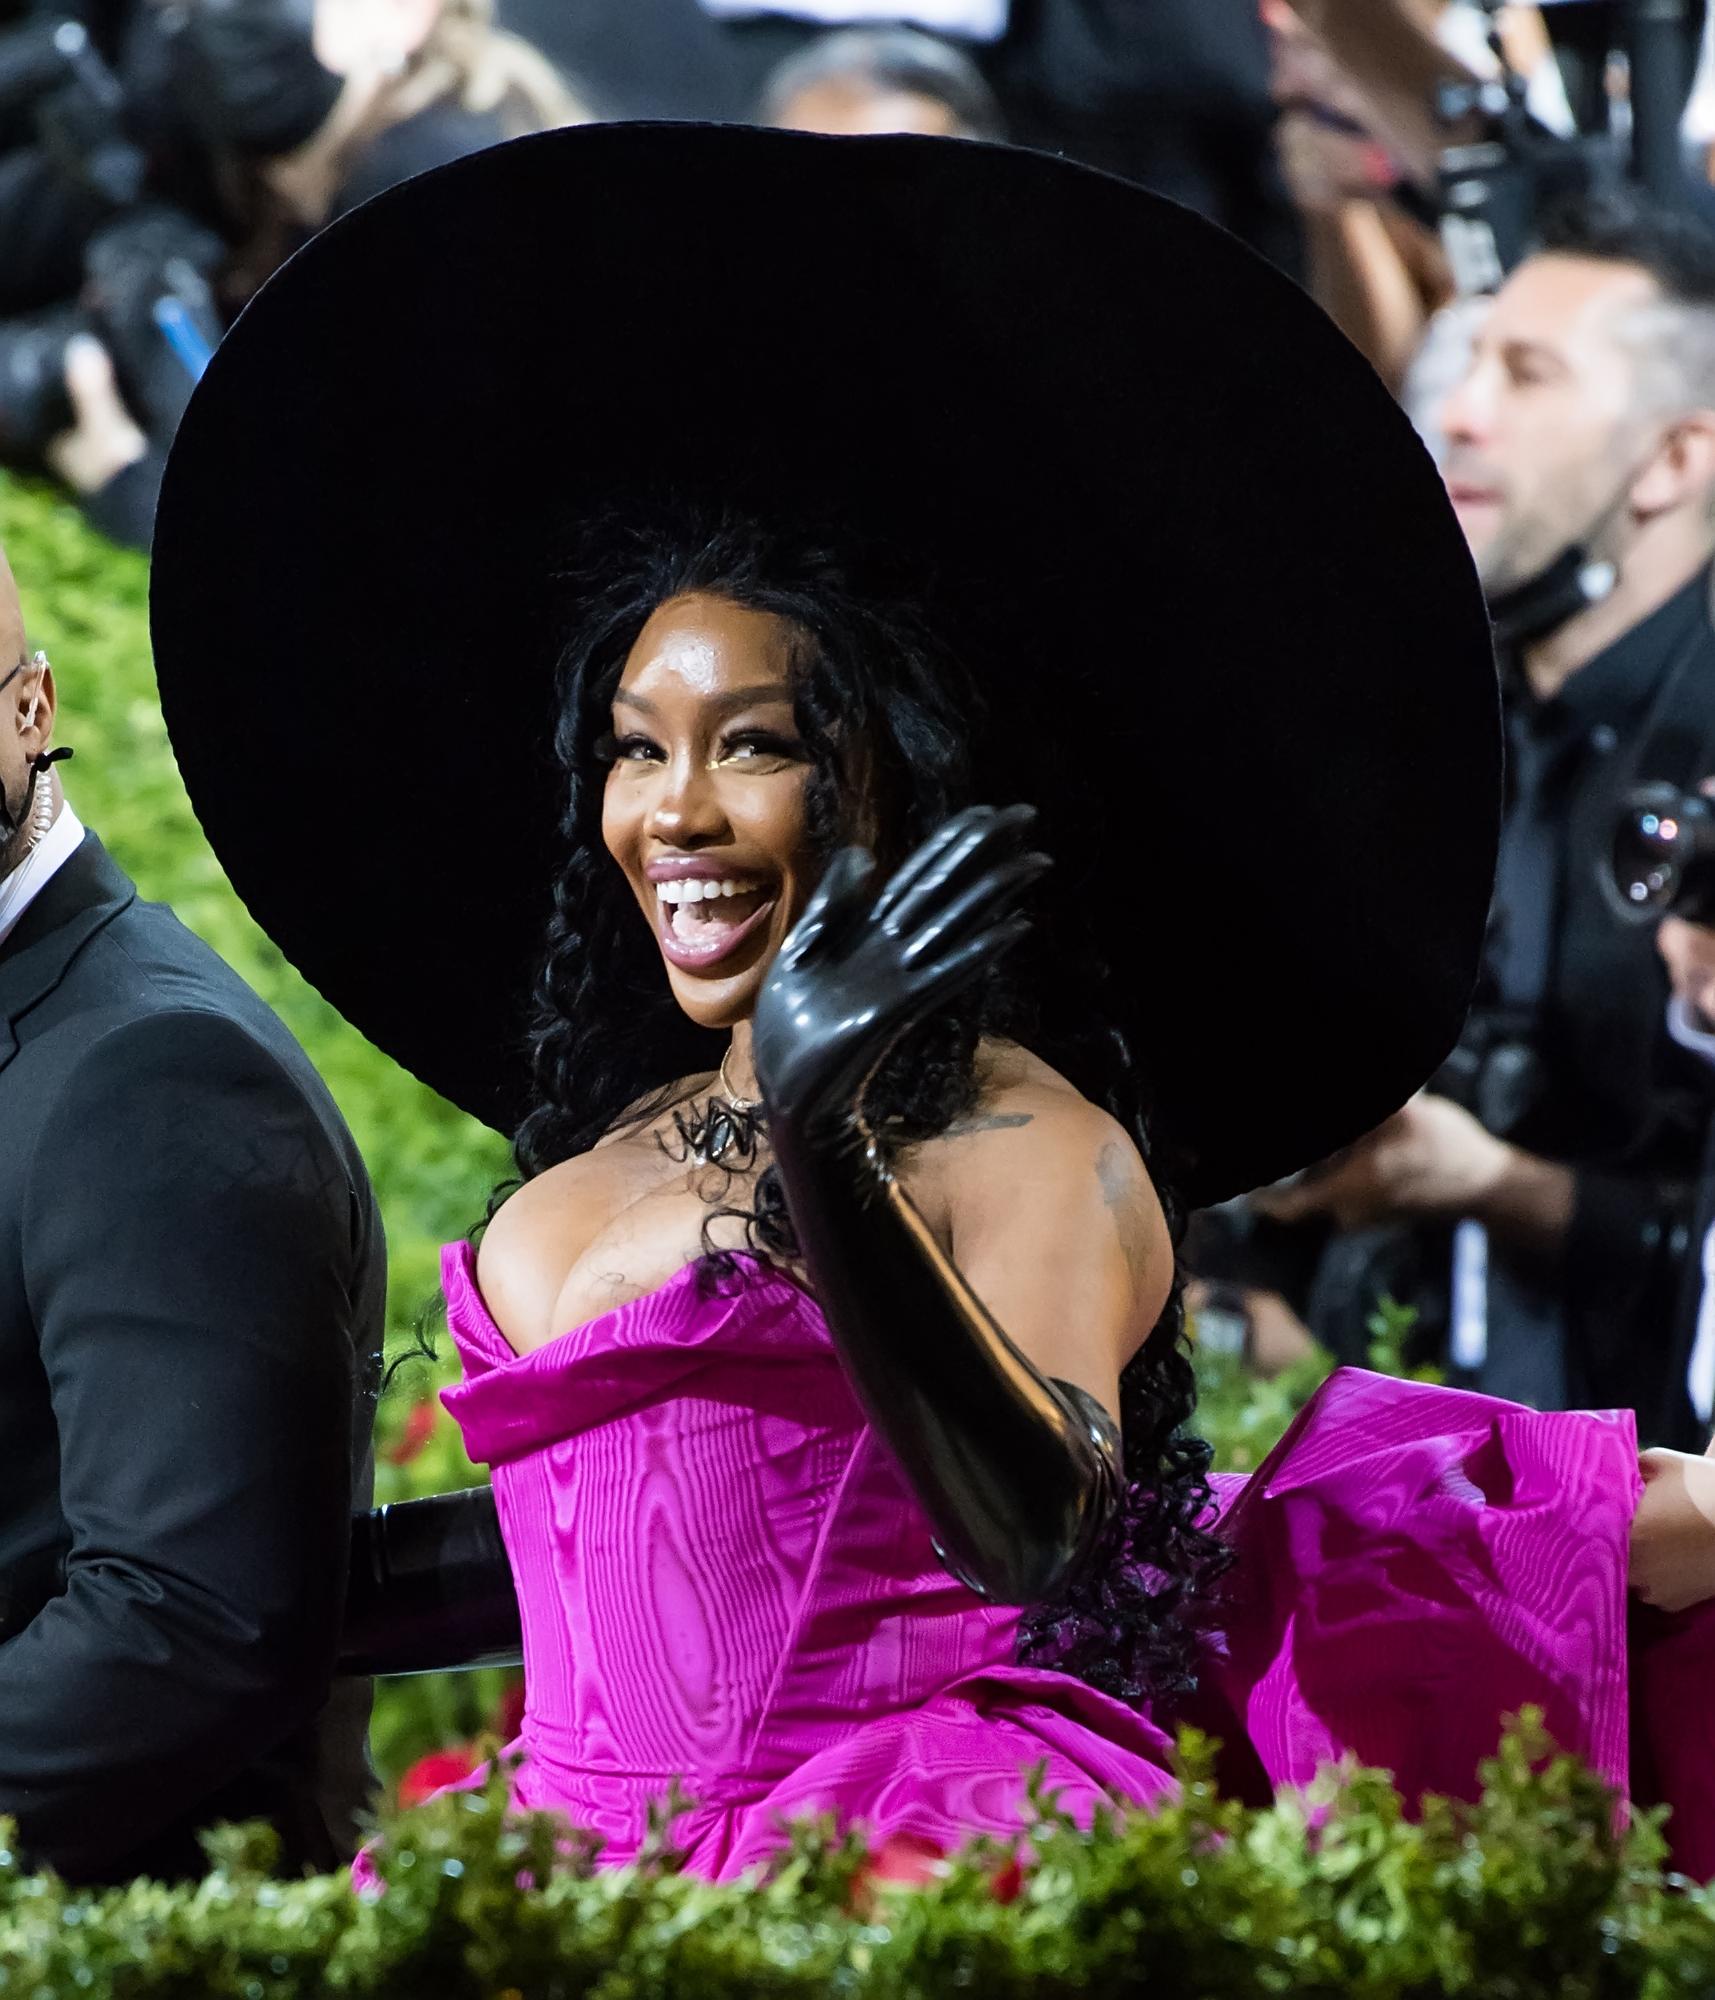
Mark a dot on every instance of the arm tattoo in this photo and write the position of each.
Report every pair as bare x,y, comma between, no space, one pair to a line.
992,1121
1123,1197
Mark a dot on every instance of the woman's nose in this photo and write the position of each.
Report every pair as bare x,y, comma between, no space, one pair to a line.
686,806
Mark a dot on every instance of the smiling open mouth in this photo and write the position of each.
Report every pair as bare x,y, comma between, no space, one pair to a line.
701,923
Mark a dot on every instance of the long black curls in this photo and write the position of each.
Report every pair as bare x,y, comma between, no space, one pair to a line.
888,716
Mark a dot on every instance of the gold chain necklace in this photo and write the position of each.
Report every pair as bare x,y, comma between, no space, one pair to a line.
726,1090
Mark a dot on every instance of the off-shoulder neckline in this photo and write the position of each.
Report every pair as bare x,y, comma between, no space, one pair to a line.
461,1258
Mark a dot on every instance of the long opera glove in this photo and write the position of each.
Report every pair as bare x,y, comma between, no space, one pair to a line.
431,1589
1018,1473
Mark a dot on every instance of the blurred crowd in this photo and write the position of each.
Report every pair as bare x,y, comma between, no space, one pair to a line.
1506,207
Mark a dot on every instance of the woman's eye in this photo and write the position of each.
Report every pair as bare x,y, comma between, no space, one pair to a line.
613,749
753,743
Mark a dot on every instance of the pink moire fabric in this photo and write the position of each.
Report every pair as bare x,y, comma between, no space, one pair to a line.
724,1580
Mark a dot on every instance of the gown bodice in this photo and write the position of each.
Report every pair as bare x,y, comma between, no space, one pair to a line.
722,1575
726,1583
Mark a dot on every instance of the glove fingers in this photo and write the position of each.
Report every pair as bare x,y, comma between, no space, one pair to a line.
958,966
925,856
839,896
946,848
984,902
959,863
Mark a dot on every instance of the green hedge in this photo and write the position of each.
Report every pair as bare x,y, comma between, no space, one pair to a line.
1532,1894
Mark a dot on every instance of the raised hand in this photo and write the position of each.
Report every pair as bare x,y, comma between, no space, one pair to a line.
1017,1473
859,967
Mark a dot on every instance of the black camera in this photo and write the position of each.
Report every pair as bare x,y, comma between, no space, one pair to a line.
147,293
1495,188
1662,856
148,296
1497,1072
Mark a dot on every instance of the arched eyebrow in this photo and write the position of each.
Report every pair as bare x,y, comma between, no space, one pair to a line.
733,698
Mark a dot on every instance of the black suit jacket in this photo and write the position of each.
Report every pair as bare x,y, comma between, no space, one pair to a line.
191,1306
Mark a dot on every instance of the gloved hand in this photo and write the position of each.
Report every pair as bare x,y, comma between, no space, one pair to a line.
1016,1472
860,968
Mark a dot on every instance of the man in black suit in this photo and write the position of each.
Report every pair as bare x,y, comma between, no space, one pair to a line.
191,1297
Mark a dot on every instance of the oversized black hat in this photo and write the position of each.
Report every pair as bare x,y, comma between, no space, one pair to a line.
1230,634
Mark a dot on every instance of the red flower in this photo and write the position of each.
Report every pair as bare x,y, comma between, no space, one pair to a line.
1006,1884
509,1713
435,1771
905,1857
416,1432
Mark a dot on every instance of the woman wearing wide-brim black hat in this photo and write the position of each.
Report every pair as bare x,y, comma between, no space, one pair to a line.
609,597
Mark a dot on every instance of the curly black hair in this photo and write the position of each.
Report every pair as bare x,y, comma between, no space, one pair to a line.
888,715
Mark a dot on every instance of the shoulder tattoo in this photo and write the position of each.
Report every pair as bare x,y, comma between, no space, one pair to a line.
1125,1200
989,1121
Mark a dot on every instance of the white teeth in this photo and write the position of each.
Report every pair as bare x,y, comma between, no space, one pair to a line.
693,889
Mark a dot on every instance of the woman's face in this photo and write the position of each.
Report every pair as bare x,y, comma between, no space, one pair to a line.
705,807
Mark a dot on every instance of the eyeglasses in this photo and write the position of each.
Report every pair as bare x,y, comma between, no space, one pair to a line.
37,663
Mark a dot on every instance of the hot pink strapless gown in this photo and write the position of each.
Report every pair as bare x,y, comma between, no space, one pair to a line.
725,1581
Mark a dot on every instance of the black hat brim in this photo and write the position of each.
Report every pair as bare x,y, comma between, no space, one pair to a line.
1225,617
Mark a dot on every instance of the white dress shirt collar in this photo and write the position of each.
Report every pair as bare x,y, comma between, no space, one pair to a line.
38,868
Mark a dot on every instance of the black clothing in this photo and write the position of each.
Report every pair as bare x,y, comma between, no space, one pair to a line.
124,509
1677,1423
437,134
46,221
1576,1001
1617,1098
1173,94
191,1297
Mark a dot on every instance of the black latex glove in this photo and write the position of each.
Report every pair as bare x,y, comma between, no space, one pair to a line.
859,968
1016,1472
431,1589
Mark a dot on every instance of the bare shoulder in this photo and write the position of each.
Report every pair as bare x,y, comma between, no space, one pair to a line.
1027,1110
542,1228
1039,1169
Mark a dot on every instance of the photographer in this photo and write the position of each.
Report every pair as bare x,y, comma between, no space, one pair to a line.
1688,951
1374,259
1542,1221
173,156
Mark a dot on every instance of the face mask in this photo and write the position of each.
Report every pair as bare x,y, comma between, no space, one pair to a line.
1570,584
250,73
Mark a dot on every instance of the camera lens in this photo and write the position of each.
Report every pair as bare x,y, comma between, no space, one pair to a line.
1663,856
